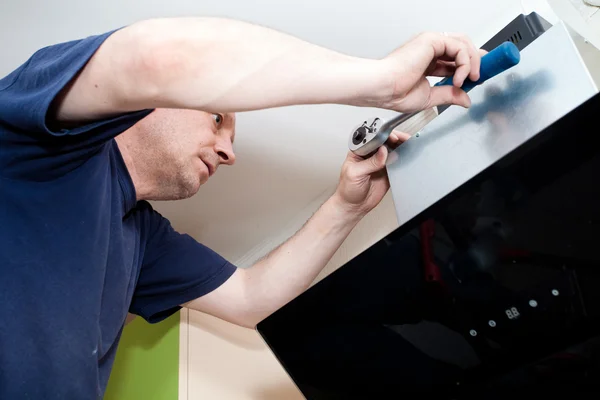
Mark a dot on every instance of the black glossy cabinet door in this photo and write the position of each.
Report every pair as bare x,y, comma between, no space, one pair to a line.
496,288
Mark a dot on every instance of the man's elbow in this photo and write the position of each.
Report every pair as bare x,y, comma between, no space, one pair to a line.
248,323
152,59
238,301
248,319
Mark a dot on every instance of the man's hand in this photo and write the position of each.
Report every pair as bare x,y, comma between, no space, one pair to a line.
428,54
364,182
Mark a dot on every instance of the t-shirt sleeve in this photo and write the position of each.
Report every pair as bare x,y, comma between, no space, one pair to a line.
175,269
26,97
27,93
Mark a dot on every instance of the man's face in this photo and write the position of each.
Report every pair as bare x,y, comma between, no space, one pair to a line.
186,148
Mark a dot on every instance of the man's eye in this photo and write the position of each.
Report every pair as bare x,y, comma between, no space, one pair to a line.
218,118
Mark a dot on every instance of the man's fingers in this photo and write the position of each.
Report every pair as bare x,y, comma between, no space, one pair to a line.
460,49
443,68
374,163
463,67
398,137
474,55
448,95
362,167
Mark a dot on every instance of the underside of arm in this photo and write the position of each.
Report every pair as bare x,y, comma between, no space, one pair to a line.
210,64
230,302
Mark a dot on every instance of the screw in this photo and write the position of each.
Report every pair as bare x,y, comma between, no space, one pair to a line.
418,134
554,292
473,332
533,303
492,323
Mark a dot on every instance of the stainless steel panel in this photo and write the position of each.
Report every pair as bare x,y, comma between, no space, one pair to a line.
549,82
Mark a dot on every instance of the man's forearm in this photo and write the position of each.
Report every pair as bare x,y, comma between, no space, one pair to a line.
292,267
226,65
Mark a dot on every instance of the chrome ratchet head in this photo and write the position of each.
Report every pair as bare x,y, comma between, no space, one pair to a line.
367,137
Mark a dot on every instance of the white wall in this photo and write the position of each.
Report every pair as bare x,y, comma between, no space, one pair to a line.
246,210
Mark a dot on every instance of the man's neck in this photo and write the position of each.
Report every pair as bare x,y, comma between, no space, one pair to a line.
143,188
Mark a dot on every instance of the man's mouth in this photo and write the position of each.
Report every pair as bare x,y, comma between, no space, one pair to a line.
211,169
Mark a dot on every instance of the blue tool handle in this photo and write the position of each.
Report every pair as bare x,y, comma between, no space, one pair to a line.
493,63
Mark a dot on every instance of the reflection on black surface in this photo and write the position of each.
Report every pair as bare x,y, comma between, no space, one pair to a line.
495,288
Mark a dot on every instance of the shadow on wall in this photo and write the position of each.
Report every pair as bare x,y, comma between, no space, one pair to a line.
147,362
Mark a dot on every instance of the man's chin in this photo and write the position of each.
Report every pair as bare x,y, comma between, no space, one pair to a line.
189,190
179,192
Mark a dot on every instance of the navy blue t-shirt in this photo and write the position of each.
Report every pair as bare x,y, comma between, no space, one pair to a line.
77,252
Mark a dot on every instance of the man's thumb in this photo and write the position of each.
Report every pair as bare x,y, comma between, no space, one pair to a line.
374,163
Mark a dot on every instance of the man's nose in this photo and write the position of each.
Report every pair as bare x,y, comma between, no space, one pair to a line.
225,151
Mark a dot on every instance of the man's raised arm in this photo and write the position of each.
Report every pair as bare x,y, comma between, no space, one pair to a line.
222,65
214,65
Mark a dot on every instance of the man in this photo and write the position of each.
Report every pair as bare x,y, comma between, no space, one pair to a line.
92,129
